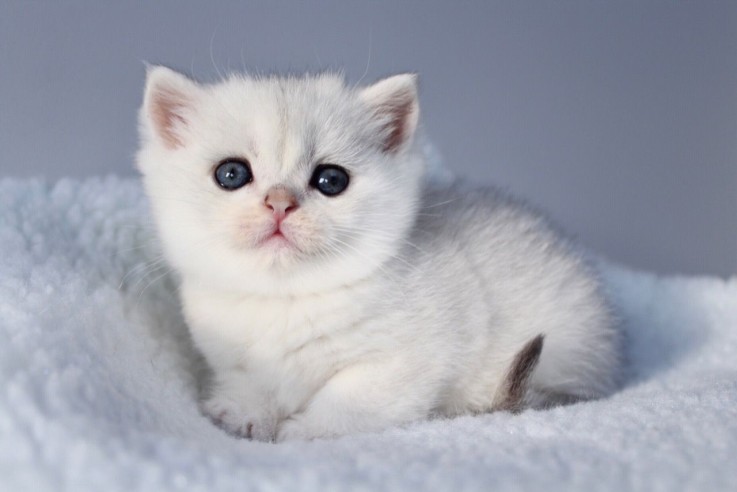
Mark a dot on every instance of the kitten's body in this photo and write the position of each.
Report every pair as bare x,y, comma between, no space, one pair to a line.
416,302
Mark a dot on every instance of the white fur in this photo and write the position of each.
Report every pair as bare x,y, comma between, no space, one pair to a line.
397,302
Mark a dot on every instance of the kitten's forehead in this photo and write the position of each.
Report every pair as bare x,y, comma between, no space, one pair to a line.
285,122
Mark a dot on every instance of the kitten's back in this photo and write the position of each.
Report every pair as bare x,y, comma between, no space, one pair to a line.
528,280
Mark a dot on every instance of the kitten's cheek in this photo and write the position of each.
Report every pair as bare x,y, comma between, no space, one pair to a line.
246,231
303,234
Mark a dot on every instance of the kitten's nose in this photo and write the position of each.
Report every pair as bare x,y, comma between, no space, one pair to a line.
281,202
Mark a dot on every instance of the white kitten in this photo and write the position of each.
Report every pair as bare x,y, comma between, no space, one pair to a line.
330,289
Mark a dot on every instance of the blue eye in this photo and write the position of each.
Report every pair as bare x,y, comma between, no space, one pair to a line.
329,179
232,174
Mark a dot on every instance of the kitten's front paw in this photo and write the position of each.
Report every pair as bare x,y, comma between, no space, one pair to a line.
290,430
297,428
233,419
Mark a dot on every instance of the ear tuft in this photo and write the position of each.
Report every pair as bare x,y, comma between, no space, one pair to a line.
168,104
394,103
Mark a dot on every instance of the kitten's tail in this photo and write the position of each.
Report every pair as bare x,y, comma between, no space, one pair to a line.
511,396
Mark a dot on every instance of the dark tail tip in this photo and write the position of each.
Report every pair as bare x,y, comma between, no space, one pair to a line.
515,383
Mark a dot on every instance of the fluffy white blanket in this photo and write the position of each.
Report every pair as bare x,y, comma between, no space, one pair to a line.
98,388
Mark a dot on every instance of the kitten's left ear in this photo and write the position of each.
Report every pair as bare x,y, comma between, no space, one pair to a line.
169,104
394,104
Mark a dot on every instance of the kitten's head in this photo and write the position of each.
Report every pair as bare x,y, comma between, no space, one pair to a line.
280,184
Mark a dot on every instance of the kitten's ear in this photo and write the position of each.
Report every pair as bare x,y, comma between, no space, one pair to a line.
394,104
169,103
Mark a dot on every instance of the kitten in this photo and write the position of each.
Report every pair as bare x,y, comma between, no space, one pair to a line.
331,289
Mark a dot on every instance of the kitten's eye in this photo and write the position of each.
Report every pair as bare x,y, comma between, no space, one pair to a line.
329,179
232,174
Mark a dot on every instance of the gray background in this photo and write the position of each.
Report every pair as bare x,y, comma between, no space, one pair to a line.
620,118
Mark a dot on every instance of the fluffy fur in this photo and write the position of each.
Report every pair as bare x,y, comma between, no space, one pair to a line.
391,302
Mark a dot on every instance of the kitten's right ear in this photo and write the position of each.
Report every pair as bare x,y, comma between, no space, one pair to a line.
169,103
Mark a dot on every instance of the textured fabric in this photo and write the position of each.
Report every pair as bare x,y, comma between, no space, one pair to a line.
98,381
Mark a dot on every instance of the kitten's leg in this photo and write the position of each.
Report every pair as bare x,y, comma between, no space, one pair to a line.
240,407
364,398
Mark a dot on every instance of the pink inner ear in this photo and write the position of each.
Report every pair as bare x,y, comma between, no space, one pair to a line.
398,113
166,113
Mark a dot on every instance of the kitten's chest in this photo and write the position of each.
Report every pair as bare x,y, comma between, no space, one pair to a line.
270,330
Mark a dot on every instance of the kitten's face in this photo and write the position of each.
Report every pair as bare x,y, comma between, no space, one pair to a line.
280,185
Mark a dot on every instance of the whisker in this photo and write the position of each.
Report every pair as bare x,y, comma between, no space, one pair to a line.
212,56
140,295
441,203
374,232
368,61
150,268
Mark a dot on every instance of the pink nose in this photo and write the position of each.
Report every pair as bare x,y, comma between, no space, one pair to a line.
281,202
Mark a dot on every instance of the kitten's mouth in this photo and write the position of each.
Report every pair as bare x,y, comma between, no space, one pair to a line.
277,239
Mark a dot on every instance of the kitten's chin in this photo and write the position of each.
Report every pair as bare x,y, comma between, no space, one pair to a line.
279,249
273,269
277,242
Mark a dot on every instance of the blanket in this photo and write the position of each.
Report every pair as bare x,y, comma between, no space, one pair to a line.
99,381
